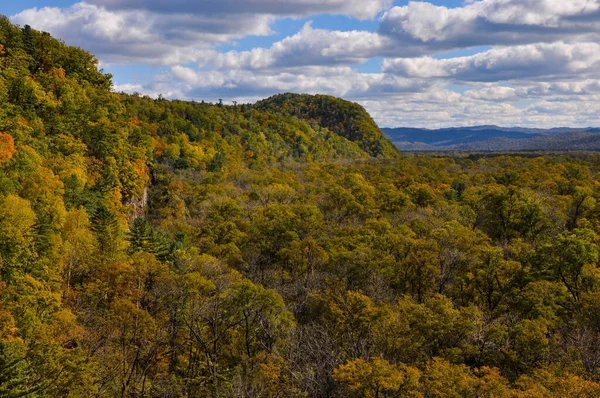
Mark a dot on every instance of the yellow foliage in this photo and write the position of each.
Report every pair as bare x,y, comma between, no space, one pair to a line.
444,379
8,327
546,383
72,159
43,185
142,170
378,377
172,151
58,73
79,244
273,378
16,216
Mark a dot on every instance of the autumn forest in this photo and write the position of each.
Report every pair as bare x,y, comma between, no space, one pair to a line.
162,248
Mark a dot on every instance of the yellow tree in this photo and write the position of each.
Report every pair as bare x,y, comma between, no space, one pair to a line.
444,379
378,378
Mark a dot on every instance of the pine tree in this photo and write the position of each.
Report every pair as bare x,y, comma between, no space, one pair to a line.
140,236
105,226
143,237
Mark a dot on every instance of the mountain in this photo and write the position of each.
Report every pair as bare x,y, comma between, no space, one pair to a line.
471,138
344,118
558,142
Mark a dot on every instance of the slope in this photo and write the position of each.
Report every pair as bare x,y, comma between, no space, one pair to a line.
558,142
344,118
473,138
153,248
452,136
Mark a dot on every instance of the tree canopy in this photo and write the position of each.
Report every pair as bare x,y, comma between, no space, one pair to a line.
155,248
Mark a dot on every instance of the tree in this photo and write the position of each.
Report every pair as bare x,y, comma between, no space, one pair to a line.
79,247
378,378
7,148
106,228
17,252
572,260
546,382
353,319
263,317
494,278
143,237
444,379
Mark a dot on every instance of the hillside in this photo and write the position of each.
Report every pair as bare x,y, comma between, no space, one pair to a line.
344,118
559,142
236,136
481,138
154,248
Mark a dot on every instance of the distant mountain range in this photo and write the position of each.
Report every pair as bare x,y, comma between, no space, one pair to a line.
494,138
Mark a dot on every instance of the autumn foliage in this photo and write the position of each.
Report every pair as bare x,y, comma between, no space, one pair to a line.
7,148
155,248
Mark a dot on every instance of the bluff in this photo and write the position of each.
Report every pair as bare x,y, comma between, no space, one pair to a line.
345,118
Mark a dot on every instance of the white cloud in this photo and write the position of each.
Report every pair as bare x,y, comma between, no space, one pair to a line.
425,28
448,109
422,28
551,13
494,93
555,61
142,36
308,47
339,81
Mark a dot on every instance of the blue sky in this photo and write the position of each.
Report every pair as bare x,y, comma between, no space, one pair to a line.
426,63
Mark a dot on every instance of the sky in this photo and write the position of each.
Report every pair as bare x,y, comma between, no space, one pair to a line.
532,63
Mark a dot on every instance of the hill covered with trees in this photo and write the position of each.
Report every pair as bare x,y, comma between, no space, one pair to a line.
560,142
344,118
494,138
154,248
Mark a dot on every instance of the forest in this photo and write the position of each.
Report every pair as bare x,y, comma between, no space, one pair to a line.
494,139
157,248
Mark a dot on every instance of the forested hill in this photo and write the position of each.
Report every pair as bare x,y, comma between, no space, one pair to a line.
493,138
153,248
58,89
345,118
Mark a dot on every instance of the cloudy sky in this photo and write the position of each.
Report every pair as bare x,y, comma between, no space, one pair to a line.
429,63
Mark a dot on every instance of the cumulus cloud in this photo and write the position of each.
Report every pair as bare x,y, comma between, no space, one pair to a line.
445,108
180,31
299,8
554,61
421,28
339,81
589,87
425,28
140,37
308,47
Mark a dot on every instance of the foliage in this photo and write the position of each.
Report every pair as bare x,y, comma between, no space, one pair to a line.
167,249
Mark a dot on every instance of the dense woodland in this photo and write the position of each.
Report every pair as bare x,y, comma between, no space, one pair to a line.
154,248
494,139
